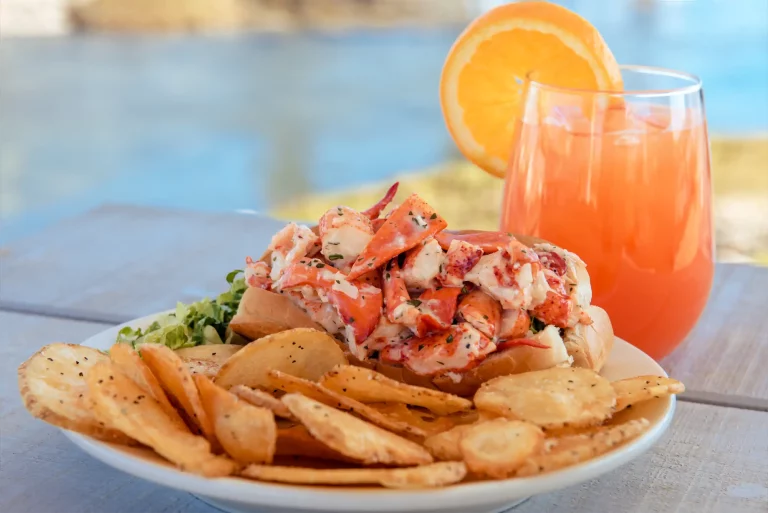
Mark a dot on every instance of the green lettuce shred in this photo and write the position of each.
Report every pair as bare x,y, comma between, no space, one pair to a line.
200,323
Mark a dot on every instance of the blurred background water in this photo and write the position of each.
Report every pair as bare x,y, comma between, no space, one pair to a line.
218,105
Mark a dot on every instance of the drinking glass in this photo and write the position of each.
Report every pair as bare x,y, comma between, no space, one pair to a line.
622,179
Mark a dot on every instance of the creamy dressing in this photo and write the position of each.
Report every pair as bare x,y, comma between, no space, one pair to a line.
343,286
347,241
453,376
519,295
289,245
420,271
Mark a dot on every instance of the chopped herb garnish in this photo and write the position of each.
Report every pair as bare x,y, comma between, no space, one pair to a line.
388,275
464,289
334,243
433,216
441,363
449,339
338,281
485,317
414,302
416,221
335,256
537,325
421,346
351,320
410,212
320,265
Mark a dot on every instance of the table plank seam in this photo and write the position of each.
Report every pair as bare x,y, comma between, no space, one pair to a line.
69,314
738,402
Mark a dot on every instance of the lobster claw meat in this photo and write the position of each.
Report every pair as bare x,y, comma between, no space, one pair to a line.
358,304
482,312
375,211
489,242
437,307
257,274
459,348
410,223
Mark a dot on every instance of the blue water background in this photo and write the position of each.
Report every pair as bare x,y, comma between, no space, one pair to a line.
245,122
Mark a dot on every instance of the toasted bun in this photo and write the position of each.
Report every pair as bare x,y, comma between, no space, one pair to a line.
262,313
591,345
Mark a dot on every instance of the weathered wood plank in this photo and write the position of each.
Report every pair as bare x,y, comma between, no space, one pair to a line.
712,460
728,348
119,262
130,261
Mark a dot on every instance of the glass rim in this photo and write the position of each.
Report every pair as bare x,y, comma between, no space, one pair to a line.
694,84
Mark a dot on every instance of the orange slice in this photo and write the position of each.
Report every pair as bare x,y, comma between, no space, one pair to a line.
481,87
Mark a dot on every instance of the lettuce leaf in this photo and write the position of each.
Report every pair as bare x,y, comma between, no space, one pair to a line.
200,323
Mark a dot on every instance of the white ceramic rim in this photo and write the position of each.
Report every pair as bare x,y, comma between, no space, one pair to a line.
349,499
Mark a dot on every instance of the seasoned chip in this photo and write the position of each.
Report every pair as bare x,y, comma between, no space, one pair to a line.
369,386
427,476
445,446
296,441
301,352
421,419
123,404
130,363
498,447
176,380
644,388
53,387
207,359
573,449
551,398
288,383
246,432
353,437
260,398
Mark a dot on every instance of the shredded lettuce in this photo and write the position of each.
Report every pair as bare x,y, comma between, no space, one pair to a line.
200,323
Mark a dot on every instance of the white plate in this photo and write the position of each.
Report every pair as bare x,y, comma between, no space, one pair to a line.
235,494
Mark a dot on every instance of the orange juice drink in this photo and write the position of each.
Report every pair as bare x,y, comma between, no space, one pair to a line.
630,196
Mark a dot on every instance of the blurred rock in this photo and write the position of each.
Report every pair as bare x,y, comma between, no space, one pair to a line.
260,15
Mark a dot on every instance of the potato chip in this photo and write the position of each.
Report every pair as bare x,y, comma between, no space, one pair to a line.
445,446
551,398
573,449
369,386
498,447
423,420
353,437
301,352
176,380
288,383
124,405
53,386
427,476
207,359
130,363
247,433
263,399
296,441
644,388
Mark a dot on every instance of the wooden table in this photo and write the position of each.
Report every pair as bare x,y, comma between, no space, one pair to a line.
118,262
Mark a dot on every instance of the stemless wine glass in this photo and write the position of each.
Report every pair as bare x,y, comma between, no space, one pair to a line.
623,180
